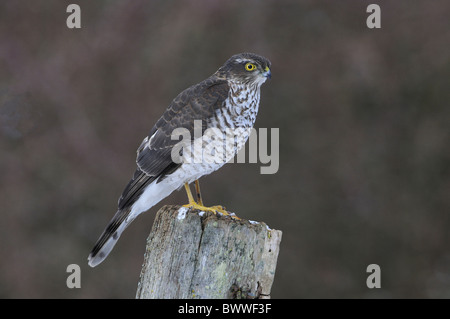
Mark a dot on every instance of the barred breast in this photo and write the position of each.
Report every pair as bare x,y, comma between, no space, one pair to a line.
227,132
236,119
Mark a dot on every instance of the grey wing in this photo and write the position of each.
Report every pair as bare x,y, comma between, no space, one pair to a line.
154,155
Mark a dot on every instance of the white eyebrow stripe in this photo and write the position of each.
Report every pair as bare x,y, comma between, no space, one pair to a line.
244,60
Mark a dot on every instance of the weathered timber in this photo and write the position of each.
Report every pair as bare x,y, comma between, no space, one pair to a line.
193,255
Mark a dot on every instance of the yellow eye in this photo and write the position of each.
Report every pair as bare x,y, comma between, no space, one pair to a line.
250,66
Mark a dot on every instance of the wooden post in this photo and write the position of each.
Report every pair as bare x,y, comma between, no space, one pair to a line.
195,255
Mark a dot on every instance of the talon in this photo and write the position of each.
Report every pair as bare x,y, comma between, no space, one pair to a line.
213,209
223,211
199,205
194,205
220,208
233,215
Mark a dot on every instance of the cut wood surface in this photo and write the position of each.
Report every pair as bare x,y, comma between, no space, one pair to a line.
192,255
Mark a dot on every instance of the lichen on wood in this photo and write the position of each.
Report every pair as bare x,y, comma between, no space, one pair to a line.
194,255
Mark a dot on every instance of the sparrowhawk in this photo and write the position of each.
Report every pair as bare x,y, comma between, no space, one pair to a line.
227,100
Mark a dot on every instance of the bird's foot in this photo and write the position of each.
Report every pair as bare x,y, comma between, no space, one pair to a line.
214,209
223,211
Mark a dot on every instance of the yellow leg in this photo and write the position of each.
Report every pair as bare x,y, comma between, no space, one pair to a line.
199,194
189,194
199,205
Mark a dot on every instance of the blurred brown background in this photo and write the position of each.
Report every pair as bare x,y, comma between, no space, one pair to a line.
364,138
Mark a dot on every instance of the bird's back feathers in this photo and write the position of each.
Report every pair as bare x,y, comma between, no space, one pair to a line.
204,101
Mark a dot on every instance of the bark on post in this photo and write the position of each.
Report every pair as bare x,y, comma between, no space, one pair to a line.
193,255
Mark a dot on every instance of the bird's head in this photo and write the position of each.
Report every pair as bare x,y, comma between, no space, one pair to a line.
248,68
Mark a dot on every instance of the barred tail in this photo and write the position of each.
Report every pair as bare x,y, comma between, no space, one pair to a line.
109,238
145,192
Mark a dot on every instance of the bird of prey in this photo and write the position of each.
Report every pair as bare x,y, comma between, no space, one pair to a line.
227,100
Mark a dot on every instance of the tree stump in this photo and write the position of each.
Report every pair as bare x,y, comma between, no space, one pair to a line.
194,255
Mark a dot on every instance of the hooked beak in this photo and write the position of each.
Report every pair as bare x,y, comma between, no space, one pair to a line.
267,72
